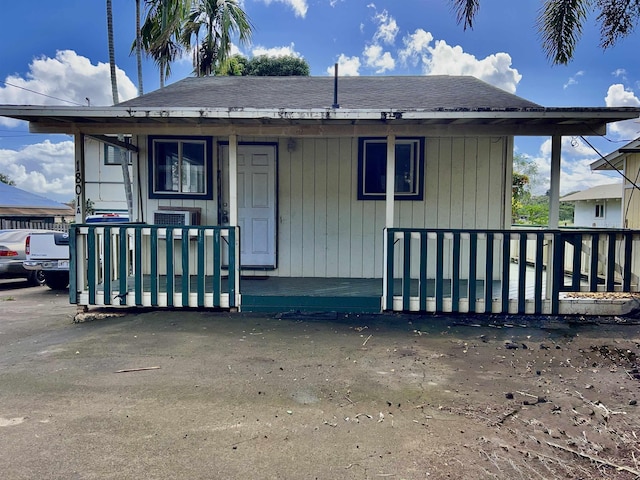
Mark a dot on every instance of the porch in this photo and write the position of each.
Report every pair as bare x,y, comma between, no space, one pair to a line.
498,271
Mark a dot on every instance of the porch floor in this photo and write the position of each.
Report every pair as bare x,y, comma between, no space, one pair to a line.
363,295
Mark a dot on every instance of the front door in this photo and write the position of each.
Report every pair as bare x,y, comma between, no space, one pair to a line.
256,204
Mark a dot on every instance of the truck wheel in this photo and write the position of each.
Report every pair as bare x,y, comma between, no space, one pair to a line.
36,278
56,280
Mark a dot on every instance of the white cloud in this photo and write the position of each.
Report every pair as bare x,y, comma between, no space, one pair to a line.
618,96
573,80
67,79
347,66
46,168
443,59
299,7
387,28
619,72
575,167
43,168
276,51
374,57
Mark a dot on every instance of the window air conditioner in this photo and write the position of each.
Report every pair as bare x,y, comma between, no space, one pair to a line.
175,218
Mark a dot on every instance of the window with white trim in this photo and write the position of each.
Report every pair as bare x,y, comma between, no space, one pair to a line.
599,210
180,168
112,154
372,168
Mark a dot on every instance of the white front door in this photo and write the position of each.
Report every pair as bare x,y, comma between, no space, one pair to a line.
256,204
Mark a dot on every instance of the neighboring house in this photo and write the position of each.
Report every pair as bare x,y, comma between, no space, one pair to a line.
104,186
627,161
357,194
599,206
19,207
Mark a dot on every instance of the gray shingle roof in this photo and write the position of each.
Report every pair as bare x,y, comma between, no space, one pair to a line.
599,192
437,92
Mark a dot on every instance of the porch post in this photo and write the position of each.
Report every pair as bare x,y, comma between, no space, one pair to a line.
391,176
81,203
233,180
77,248
554,186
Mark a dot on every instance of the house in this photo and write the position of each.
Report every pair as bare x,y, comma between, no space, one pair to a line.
19,208
625,160
356,194
599,206
104,185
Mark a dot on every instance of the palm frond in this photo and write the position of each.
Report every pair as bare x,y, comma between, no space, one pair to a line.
560,27
617,20
465,11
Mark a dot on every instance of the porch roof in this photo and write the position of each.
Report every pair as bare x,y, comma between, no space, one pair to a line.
299,106
615,159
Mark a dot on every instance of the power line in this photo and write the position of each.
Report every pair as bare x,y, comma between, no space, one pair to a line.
43,94
610,164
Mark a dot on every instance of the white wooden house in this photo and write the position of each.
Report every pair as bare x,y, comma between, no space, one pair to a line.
104,189
599,206
352,194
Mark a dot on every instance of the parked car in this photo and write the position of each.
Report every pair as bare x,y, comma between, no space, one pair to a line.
48,252
12,256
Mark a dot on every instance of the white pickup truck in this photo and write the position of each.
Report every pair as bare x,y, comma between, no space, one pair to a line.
49,251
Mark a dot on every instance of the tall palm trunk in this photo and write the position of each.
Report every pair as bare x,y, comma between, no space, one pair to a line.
112,54
114,92
139,49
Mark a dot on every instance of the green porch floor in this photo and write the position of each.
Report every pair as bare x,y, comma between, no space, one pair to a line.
354,295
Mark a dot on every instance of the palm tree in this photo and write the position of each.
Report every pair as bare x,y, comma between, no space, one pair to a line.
160,33
138,48
221,20
114,92
560,22
112,55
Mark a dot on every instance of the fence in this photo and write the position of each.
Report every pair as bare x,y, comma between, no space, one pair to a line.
504,271
15,224
150,265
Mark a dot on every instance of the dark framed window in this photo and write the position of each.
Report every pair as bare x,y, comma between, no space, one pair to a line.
180,167
599,210
372,169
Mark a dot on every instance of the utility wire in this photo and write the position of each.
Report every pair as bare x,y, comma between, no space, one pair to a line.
43,94
635,185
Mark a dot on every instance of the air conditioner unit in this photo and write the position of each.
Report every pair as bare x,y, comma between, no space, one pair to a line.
175,218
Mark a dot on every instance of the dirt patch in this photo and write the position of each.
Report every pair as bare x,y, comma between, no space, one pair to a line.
217,395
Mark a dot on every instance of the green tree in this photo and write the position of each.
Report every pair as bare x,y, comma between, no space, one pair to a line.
264,66
560,22
287,65
6,179
235,65
219,21
525,176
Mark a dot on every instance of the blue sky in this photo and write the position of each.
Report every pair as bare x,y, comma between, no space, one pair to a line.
60,49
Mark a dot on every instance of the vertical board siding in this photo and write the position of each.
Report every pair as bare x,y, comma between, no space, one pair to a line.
325,231
320,211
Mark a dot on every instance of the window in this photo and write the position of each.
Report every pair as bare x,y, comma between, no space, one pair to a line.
599,210
372,169
180,168
110,155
